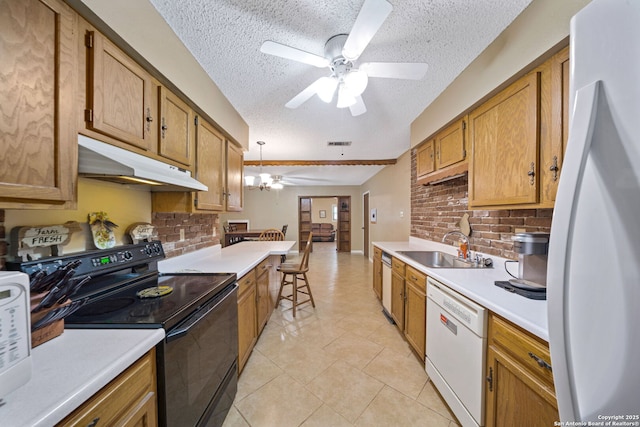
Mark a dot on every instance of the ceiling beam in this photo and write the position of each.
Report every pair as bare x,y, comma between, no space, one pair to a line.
320,162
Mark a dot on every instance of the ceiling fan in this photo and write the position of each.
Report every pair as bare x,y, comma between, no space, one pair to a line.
340,54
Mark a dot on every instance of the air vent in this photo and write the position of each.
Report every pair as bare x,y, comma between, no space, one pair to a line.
339,143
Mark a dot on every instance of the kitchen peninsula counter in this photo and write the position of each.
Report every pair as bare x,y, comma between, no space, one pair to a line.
239,258
478,285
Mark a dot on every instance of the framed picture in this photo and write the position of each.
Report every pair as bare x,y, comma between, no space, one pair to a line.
374,215
323,214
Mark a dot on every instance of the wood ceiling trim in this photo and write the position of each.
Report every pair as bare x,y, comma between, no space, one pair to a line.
320,162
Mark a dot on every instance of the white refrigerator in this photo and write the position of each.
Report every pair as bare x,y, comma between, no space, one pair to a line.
593,276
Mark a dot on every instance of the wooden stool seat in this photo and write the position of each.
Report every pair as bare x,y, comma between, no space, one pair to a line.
292,274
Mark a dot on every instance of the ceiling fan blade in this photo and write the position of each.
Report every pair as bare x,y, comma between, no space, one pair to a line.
396,70
358,108
306,93
368,22
288,52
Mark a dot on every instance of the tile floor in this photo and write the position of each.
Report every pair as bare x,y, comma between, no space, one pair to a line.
340,364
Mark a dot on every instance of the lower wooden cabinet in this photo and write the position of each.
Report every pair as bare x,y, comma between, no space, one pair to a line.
519,387
257,292
247,317
397,292
128,400
264,306
377,272
415,310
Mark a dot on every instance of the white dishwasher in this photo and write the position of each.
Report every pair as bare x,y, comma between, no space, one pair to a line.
456,343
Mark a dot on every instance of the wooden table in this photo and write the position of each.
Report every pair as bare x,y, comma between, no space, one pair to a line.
232,237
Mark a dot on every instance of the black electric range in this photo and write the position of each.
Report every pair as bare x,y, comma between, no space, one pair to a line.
198,312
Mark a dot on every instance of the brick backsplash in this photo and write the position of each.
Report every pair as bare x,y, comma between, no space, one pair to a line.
200,231
436,209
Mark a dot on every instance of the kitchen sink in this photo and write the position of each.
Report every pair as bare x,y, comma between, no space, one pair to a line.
437,259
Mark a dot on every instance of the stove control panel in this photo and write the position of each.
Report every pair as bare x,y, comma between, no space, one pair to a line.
98,261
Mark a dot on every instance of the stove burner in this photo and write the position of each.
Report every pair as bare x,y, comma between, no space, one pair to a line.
103,307
154,292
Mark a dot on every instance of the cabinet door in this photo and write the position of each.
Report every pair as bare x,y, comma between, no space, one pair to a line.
450,145
504,142
175,127
119,94
234,178
247,324
38,137
415,318
552,157
514,396
263,301
425,162
377,277
210,165
397,299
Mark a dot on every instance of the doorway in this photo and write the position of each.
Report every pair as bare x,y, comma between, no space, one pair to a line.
365,223
329,218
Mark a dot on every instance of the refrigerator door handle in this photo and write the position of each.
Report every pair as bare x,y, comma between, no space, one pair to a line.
580,138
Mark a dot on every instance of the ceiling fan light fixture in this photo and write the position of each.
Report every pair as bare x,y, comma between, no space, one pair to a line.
327,88
249,180
345,98
356,82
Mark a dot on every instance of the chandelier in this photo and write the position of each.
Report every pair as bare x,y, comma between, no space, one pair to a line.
267,182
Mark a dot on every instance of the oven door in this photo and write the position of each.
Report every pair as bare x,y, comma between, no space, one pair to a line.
197,364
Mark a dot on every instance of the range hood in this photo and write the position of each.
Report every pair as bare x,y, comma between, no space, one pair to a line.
109,163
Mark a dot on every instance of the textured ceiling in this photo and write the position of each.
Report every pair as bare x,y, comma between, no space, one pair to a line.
225,37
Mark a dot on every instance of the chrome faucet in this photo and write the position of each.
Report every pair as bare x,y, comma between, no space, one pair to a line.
462,236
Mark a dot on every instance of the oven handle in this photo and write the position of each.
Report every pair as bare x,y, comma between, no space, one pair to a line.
192,321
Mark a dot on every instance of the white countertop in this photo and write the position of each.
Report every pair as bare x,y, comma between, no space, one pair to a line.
478,285
239,258
69,369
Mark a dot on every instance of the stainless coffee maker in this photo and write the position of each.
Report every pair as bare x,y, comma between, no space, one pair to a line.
532,249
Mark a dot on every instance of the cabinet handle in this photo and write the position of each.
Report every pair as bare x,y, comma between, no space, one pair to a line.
490,379
94,423
532,173
149,119
163,127
554,168
540,361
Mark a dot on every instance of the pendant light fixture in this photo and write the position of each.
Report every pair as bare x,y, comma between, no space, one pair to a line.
266,181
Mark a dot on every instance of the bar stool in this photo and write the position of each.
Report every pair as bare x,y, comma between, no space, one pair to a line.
291,274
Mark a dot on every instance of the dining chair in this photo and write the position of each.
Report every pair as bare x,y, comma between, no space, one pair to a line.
291,274
271,234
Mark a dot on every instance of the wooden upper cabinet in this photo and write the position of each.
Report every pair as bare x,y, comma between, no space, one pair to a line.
210,165
175,127
552,154
218,165
119,95
425,161
445,155
235,159
504,139
450,145
38,134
